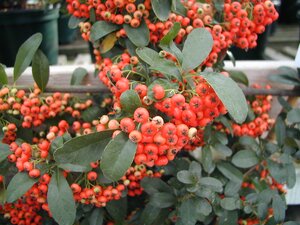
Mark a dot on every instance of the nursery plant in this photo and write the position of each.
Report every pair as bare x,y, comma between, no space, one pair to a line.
176,141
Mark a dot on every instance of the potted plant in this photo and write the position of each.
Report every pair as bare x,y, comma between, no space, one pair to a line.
21,19
181,143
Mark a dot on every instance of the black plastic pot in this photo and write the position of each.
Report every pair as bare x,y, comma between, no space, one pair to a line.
65,34
18,25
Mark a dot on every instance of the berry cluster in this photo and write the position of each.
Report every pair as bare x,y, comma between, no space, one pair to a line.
247,19
33,109
133,177
96,195
25,211
239,24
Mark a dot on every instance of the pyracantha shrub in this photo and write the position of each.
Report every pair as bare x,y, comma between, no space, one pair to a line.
176,143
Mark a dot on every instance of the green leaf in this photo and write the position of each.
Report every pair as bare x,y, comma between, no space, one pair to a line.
4,151
239,77
130,101
262,210
149,214
26,53
162,200
158,63
74,22
102,28
60,199
284,103
173,32
178,7
212,183
280,131
291,175
232,188
3,75
195,169
230,172
187,212
117,157
230,94
279,207
207,160
291,223
168,86
222,149
139,36
203,206
84,149
118,210
229,203
15,190
96,217
78,75
245,159
161,8
286,75
40,69
91,113
153,185
174,50
293,116
201,40
184,176
2,196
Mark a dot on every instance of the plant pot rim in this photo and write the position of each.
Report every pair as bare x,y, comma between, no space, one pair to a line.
25,16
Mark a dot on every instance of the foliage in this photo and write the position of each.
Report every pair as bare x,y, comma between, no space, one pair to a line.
178,143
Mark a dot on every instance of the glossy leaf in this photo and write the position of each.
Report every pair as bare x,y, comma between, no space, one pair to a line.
293,116
207,160
162,200
4,151
186,177
212,183
245,159
60,200
152,185
187,212
158,63
40,69
230,94
230,172
161,8
130,101
279,207
149,214
139,36
178,7
3,75
117,157
228,203
196,48
108,43
91,113
102,28
280,130
18,186
26,53
96,217
173,32
117,210
286,75
74,21
78,75
239,77
84,149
